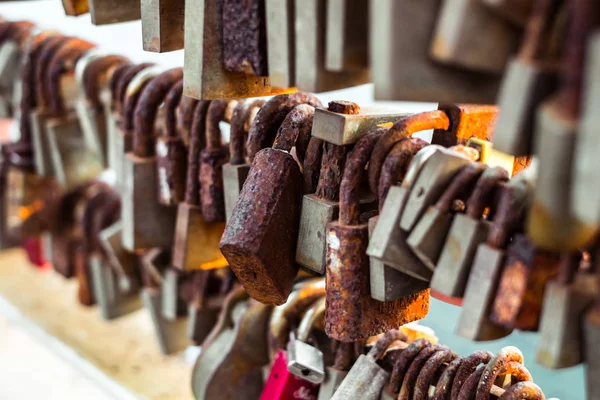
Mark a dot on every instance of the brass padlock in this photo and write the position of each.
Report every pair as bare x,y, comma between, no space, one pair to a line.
346,39
351,312
162,25
530,78
402,38
146,223
75,7
311,74
114,11
206,76
268,212
474,323
196,241
281,42
464,236
236,170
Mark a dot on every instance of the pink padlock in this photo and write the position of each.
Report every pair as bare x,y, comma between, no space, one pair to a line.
283,385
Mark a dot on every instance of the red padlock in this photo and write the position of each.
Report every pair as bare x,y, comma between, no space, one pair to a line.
283,385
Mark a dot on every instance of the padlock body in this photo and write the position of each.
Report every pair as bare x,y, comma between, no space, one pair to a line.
452,270
591,335
351,313
305,361
43,161
260,239
113,11
388,240
387,283
170,296
560,344
170,335
282,384
428,237
162,25
234,177
120,260
200,323
196,242
112,301
146,224
474,323
524,87
518,302
93,126
333,380
365,380
552,224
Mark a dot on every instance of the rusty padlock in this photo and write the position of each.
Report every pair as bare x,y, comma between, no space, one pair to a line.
171,153
566,300
387,283
429,235
195,245
268,212
146,223
466,233
527,269
236,170
113,11
480,292
351,312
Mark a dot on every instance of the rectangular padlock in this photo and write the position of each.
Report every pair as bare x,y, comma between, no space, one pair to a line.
402,38
281,42
205,74
162,25
346,40
113,300
114,11
311,75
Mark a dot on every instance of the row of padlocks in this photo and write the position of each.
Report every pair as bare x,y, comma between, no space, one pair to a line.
294,248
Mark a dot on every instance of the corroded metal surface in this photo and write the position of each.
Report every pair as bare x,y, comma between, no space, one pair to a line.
343,107
197,143
92,76
239,130
50,47
312,165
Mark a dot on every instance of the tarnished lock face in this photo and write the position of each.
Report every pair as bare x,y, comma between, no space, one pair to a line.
196,240
366,379
565,301
351,312
527,269
267,213
162,25
146,224
113,11
466,233
482,284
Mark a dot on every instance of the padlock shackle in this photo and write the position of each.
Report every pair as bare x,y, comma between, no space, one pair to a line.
185,115
512,209
102,211
266,124
151,97
461,185
396,165
131,97
123,82
314,316
355,166
197,144
93,72
63,62
481,197
113,84
523,390
51,47
239,130
539,24
311,167
444,384
172,101
344,356
298,122
403,129
16,31
214,116
333,158
494,368
468,366
427,375
385,341
416,366
404,361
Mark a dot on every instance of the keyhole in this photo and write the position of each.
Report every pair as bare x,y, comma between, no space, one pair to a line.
421,192
305,372
255,275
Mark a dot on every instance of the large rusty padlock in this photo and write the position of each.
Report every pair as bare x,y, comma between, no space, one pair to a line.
236,170
196,241
387,283
146,223
268,212
171,153
351,312
474,323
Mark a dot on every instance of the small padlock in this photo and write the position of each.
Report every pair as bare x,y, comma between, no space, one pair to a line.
366,379
346,39
527,269
565,301
195,245
429,235
387,283
113,11
474,322
162,25
351,312
551,223
266,213
236,170
529,79
335,375
466,233
146,223
304,359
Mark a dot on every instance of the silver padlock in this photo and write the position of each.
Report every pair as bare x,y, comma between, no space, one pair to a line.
305,360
